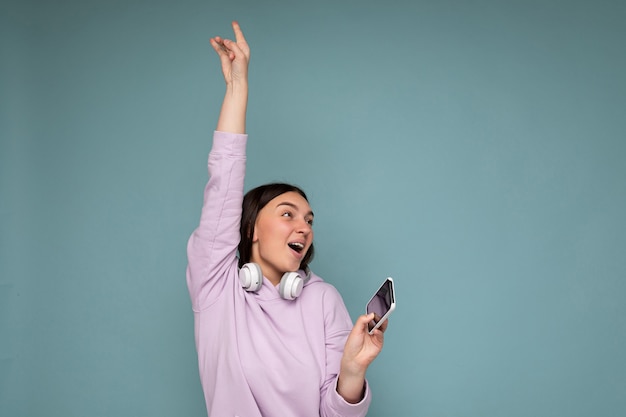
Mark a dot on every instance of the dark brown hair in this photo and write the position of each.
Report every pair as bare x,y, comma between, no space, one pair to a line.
253,202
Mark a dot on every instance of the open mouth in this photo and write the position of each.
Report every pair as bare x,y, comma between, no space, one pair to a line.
296,246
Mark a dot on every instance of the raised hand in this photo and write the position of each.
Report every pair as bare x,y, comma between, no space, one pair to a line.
234,56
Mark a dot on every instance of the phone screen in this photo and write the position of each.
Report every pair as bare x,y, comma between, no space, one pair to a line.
381,304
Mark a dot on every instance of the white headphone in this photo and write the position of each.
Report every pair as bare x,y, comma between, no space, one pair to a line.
290,286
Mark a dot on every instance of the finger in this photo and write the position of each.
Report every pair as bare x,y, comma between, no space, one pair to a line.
238,34
218,44
384,325
378,338
225,48
224,55
234,49
366,318
379,333
362,323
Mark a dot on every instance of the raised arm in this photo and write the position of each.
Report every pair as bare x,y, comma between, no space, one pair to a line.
212,247
234,57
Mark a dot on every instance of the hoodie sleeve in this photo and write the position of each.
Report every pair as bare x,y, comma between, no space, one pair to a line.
212,247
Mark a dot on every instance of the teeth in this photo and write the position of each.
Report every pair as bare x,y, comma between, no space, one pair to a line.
297,245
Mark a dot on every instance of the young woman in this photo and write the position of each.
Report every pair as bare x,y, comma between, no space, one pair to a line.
273,339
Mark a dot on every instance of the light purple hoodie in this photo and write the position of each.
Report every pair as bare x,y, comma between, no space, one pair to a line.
258,354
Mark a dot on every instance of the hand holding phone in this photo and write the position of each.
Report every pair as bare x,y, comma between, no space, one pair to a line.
382,304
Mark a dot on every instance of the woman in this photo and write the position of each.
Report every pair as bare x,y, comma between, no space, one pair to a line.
273,339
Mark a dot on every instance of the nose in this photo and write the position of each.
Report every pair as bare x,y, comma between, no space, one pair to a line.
304,227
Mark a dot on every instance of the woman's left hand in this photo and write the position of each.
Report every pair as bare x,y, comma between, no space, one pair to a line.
359,352
361,347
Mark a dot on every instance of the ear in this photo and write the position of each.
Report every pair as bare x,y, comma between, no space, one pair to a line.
255,238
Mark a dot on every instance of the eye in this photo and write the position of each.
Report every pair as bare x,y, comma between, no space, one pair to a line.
310,221
286,214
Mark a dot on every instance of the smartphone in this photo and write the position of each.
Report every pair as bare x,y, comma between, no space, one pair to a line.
382,304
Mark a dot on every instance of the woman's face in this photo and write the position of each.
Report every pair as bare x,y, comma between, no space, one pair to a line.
282,235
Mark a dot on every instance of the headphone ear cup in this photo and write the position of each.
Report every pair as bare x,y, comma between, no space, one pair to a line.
290,286
251,277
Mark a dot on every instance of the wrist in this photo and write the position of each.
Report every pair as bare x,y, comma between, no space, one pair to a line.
233,114
351,389
353,369
237,87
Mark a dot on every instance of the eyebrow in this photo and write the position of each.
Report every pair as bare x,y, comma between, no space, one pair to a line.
287,203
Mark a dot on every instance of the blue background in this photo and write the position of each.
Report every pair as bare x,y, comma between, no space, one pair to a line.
475,151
